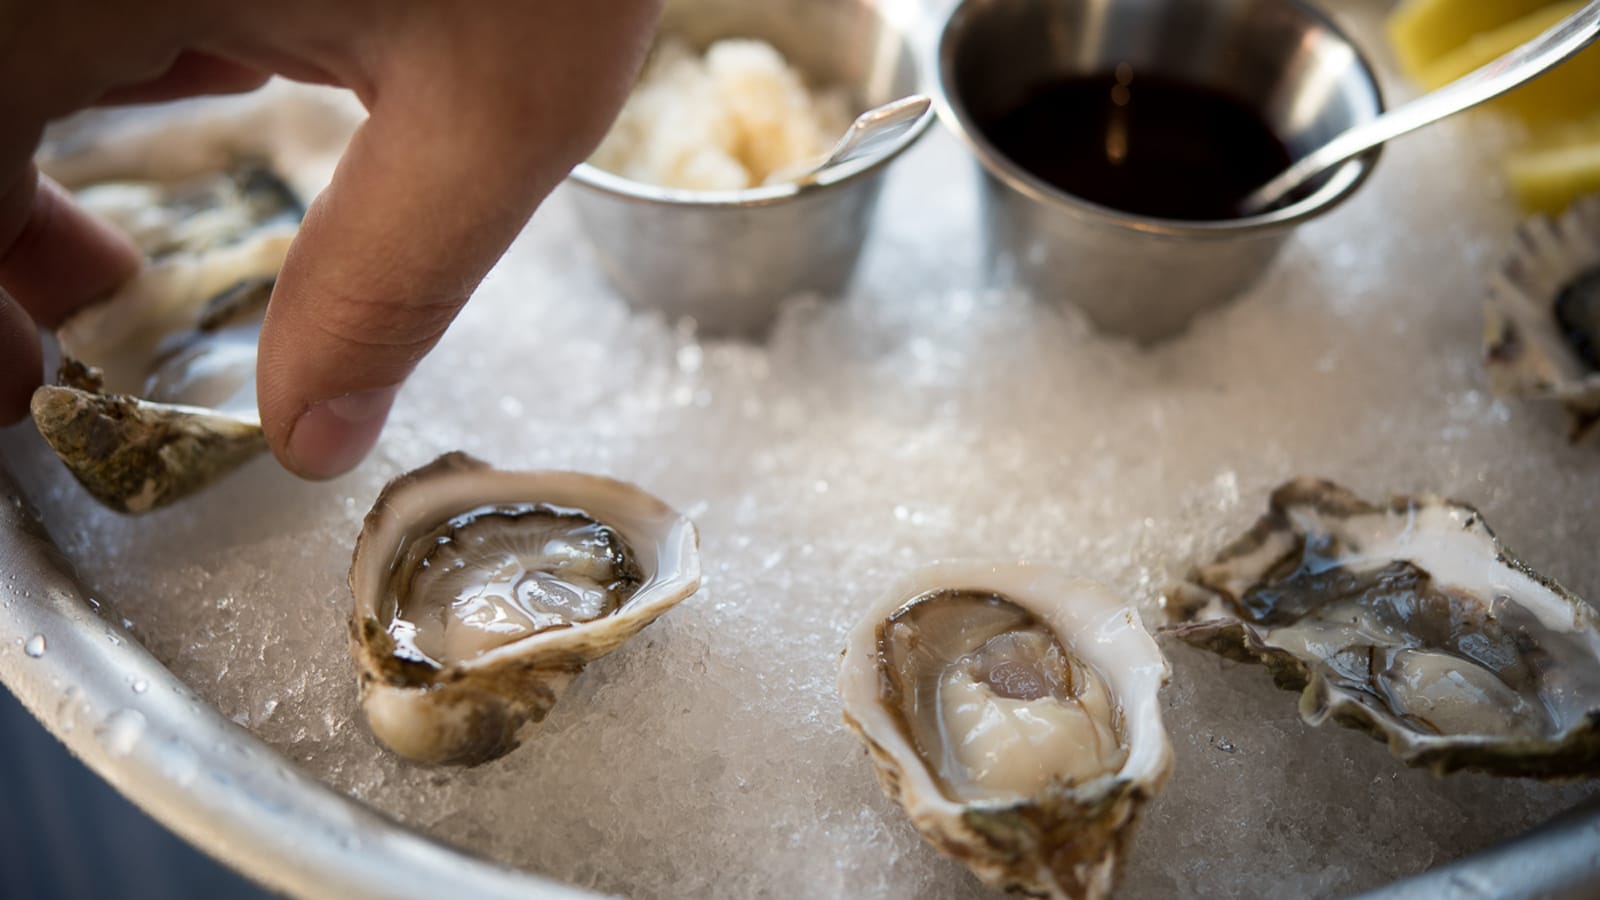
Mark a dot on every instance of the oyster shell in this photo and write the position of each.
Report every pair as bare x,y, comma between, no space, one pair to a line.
156,396
480,594
1013,711
1409,621
1542,318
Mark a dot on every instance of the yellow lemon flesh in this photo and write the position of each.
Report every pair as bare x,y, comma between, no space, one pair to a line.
1568,91
1423,31
1561,164
1438,41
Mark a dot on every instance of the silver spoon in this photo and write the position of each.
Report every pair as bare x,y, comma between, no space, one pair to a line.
1523,64
869,133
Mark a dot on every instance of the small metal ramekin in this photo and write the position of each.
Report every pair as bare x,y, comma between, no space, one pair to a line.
1135,275
726,258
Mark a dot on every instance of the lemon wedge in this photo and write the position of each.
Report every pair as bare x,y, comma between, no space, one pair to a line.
1438,41
1572,90
1424,31
1559,164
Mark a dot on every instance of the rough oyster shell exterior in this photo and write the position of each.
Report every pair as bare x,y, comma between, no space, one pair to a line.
1524,351
1457,554
472,711
1071,839
134,453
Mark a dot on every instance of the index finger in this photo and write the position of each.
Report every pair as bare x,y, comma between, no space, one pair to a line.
474,121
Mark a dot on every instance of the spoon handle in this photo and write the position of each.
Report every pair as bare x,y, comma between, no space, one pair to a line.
1523,64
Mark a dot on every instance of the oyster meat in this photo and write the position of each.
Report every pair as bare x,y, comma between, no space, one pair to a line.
1542,319
1408,620
156,396
480,594
1013,711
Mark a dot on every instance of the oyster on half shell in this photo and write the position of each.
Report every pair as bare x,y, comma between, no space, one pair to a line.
1410,621
1542,319
156,396
480,594
1013,711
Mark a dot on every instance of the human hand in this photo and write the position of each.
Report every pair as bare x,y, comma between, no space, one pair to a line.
477,112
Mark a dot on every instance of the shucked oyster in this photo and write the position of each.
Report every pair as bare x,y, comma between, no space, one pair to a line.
157,391
1542,320
1013,712
479,594
1409,621
192,215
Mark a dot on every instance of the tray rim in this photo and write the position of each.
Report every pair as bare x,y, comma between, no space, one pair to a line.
232,796
210,781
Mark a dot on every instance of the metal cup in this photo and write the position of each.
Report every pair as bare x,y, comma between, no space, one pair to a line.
1135,275
726,258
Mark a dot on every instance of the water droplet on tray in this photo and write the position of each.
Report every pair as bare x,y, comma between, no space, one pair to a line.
35,646
67,709
120,732
140,685
180,763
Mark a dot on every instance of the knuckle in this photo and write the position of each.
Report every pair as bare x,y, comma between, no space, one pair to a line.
402,332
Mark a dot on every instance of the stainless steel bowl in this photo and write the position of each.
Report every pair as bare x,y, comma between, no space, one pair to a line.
726,258
1134,275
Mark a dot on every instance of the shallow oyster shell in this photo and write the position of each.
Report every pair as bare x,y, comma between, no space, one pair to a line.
1068,839
474,710
1524,348
134,441
135,456
1409,621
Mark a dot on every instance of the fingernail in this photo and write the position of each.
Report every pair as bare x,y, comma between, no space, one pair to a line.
333,436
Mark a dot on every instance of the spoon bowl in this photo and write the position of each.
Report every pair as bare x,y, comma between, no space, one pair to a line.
874,131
